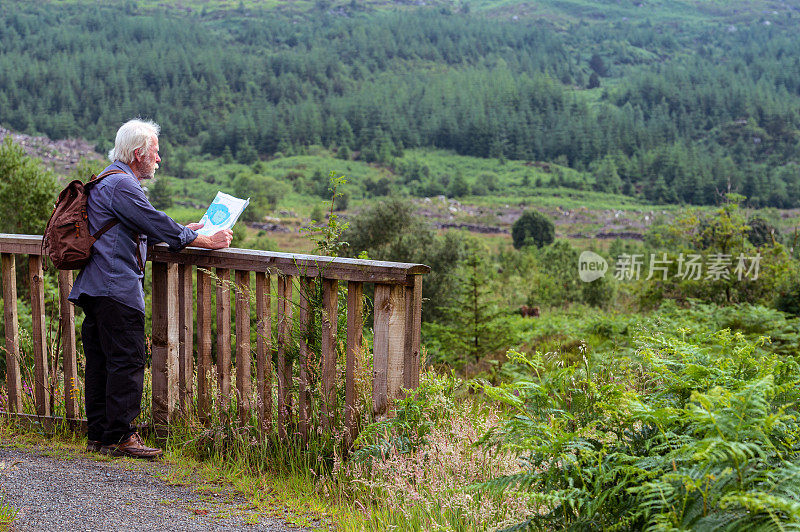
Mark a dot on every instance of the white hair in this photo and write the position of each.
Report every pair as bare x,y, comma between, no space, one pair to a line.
133,135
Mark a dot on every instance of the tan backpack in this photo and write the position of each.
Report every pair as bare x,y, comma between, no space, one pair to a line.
67,240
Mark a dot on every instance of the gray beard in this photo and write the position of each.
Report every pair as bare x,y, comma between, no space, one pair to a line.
150,175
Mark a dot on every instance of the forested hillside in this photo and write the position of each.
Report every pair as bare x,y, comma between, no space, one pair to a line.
674,109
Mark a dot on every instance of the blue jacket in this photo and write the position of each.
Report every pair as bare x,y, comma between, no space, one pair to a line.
113,269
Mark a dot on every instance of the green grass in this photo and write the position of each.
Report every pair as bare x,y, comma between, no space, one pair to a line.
185,215
7,514
212,175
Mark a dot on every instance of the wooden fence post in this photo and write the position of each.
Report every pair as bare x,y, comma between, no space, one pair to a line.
68,347
39,336
205,287
330,300
165,342
264,352
307,288
355,311
388,346
243,385
284,370
186,337
13,376
224,336
411,365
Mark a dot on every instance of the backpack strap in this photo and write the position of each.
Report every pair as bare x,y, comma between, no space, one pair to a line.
105,228
93,181
97,178
139,254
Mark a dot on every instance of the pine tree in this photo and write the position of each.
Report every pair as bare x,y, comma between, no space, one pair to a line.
458,186
474,324
606,177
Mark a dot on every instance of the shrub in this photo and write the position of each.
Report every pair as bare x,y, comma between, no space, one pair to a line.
390,230
532,228
761,232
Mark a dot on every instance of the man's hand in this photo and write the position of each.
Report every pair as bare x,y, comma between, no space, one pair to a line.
219,240
195,227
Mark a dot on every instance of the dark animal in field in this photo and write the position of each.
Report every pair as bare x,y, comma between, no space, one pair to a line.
529,312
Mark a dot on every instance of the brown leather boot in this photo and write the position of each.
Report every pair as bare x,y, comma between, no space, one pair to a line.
133,447
93,446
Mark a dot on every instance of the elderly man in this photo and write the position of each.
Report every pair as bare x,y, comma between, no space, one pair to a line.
110,289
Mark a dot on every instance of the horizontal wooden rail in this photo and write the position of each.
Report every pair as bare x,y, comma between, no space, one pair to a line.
285,382
294,264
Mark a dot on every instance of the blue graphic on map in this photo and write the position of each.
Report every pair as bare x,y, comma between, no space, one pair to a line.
222,213
218,213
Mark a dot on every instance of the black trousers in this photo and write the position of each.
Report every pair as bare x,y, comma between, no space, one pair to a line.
113,341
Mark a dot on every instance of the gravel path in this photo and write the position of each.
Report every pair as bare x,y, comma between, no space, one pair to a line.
74,492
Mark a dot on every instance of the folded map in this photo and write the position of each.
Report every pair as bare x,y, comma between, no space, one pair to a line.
222,213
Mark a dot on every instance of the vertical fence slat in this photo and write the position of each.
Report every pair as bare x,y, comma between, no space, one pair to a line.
204,291
13,377
243,385
389,346
397,341
284,370
330,300
224,335
411,366
40,380
264,352
67,319
355,310
165,342
306,287
380,349
287,336
186,340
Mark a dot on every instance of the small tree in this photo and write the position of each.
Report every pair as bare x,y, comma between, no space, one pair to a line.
391,230
556,281
227,155
161,193
474,323
533,228
761,232
597,65
458,186
246,153
27,191
327,238
606,176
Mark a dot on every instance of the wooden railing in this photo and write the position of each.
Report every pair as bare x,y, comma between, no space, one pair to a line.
180,363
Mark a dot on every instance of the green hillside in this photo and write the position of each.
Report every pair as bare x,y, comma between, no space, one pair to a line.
670,102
